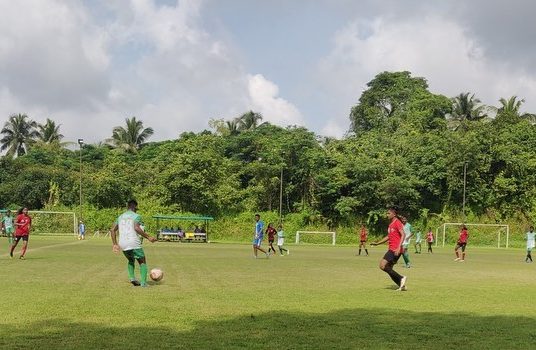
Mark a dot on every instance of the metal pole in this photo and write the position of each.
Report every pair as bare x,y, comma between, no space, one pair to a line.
80,142
464,185
281,198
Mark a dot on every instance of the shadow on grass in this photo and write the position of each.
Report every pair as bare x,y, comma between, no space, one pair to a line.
345,329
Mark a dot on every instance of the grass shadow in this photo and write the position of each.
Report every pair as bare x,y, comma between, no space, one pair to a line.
344,329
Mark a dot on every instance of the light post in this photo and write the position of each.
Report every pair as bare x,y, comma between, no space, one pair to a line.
281,197
464,186
80,143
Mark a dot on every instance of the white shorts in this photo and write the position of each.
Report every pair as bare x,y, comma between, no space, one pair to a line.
280,241
530,245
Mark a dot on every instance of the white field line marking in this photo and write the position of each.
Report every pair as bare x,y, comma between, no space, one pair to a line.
43,247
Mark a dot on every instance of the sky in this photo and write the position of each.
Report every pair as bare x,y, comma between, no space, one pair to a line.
174,64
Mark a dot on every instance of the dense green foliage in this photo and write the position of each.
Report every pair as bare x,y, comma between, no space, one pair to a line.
407,146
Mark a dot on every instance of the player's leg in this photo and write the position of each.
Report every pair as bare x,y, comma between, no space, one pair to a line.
529,257
131,264
17,239
386,265
139,254
365,247
457,253
360,245
463,252
405,256
24,247
9,233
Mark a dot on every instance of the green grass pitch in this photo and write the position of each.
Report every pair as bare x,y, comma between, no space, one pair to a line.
72,294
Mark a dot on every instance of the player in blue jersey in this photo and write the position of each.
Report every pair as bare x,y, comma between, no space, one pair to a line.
257,237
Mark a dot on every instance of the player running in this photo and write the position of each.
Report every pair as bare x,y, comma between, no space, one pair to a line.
281,240
23,225
271,232
406,242
462,243
430,240
8,226
129,226
418,240
395,237
257,238
363,236
530,243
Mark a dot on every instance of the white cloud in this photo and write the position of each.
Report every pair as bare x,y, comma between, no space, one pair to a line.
265,99
438,49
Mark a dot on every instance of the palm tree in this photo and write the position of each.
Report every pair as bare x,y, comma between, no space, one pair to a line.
511,108
18,134
49,132
233,127
466,109
131,137
249,120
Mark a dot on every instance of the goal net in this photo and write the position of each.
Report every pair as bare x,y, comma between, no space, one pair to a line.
479,234
315,237
53,222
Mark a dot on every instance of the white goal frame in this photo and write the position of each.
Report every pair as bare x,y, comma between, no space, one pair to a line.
499,226
333,235
75,224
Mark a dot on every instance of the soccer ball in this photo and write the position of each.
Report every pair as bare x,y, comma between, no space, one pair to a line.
156,274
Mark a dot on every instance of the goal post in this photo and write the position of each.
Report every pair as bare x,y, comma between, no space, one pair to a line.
500,229
54,222
300,233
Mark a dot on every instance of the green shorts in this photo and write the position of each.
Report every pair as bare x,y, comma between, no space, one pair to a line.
137,253
9,230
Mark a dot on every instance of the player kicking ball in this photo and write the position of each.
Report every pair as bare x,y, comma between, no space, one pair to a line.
395,237
129,226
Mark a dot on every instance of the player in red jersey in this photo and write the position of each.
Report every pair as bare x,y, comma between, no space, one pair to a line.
462,242
271,232
363,235
430,239
395,237
23,224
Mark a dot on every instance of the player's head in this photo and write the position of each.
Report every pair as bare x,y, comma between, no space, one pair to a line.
530,228
8,212
464,227
132,205
280,226
403,219
270,225
257,217
392,212
24,211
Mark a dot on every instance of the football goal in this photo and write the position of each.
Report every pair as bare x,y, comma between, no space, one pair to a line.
53,222
487,234
299,235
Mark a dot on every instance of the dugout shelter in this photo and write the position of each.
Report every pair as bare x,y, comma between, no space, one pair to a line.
165,228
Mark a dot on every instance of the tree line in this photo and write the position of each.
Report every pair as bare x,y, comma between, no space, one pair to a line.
405,146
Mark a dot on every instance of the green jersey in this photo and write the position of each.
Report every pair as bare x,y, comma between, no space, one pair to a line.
418,237
128,237
407,231
8,221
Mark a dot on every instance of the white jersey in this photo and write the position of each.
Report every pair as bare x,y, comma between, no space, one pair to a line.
128,237
280,237
531,239
407,231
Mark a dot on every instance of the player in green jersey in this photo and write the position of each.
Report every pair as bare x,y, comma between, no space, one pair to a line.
8,227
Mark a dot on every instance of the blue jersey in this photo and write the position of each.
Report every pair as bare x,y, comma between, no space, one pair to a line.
259,228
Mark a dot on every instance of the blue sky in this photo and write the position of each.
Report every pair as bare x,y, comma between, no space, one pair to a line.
177,64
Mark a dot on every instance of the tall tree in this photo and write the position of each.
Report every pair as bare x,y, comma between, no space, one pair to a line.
49,132
510,110
466,109
249,120
130,137
19,133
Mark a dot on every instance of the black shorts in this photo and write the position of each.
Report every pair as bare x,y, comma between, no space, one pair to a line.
460,245
24,238
391,257
363,242
270,241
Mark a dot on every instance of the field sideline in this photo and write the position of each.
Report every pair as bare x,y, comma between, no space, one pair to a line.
75,295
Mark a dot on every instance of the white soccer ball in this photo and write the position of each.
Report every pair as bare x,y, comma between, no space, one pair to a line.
156,274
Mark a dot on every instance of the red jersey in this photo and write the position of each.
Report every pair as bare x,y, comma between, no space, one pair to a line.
363,235
22,225
270,231
430,237
395,232
463,236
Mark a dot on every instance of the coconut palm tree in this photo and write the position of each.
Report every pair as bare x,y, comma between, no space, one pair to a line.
130,137
466,109
249,120
233,126
49,132
510,108
18,134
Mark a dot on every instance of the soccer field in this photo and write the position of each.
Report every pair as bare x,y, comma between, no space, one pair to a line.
75,295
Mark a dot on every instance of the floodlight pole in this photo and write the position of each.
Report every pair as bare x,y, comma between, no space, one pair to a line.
80,143
281,198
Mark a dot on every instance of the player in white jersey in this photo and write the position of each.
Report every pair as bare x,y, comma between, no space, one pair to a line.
130,237
8,226
530,243
281,240
407,240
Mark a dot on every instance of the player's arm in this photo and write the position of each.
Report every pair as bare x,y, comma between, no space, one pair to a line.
113,234
385,239
142,233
